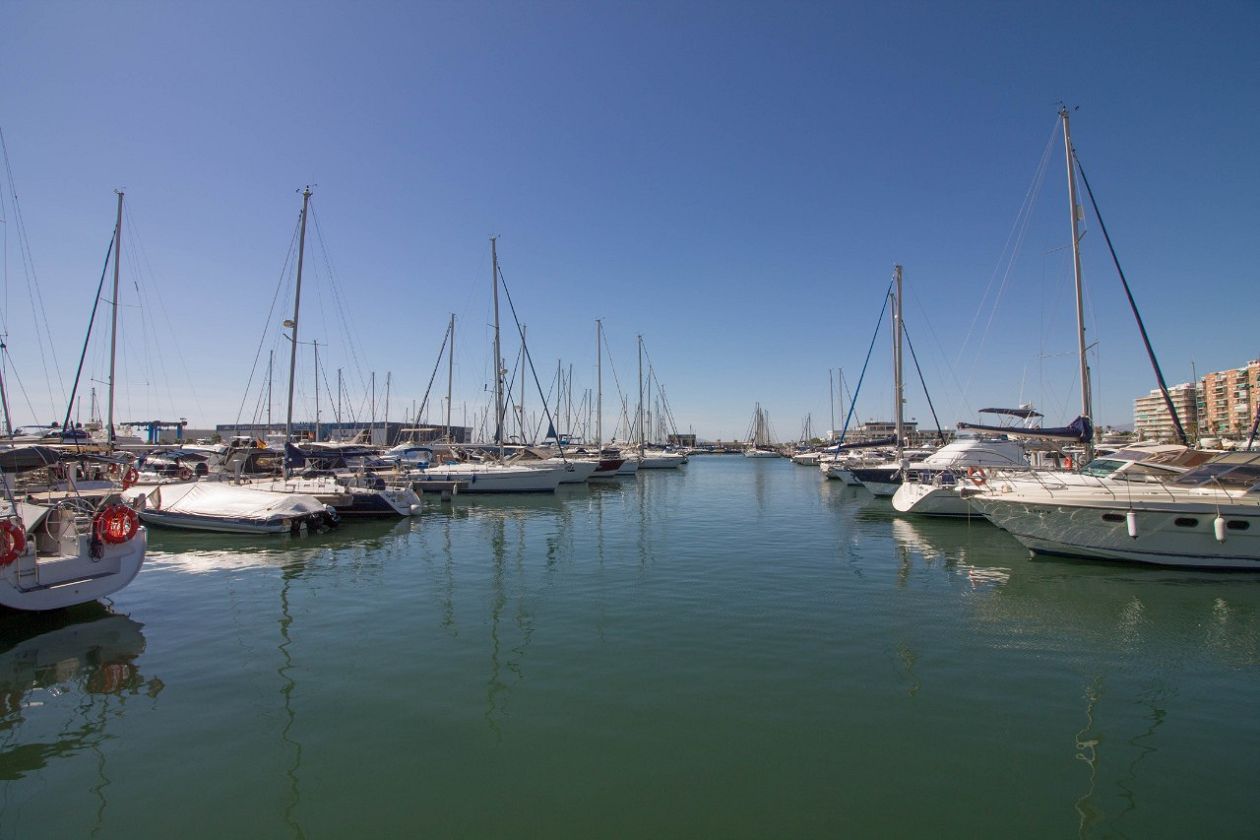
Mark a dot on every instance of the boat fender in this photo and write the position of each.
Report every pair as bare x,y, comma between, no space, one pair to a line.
115,524
1131,519
130,477
1218,528
976,476
185,474
1067,463
12,541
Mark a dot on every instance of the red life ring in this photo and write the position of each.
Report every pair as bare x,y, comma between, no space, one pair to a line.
12,541
130,477
185,474
115,524
976,476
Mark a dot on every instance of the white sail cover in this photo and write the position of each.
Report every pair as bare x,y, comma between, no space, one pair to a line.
217,499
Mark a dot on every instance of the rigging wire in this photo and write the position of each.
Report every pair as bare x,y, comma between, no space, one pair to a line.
660,389
15,376
143,254
942,357
1010,251
424,402
87,338
1150,351
625,411
337,298
939,431
39,311
528,359
281,283
862,375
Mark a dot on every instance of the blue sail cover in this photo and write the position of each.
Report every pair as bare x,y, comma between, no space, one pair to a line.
294,458
865,444
1080,429
1024,413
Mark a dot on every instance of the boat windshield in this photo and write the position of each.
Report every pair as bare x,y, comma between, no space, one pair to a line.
1236,470
1102,467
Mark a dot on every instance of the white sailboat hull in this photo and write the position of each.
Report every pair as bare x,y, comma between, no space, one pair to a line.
932,500
495,479
49,583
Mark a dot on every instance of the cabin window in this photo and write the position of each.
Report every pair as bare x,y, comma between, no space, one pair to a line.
1113,517
1238,525
1185,522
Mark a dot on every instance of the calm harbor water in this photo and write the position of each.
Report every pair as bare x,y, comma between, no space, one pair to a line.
737,649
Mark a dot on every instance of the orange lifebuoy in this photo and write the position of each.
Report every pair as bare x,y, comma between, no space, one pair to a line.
185,474
976,476
130,477
116,524
12,541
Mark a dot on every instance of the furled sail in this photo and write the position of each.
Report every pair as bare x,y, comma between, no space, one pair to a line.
1080,429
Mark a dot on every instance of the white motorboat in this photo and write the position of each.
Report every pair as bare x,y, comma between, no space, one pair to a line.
964,455
230,509
928,486
1209,517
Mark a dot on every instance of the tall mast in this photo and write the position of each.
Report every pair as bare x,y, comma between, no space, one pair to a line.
389,376
1086,402
640,419
498,356
315,344
898,386
113,333
844,415
521,396
4,396
599,385
832,402
297,305
271,357
450,376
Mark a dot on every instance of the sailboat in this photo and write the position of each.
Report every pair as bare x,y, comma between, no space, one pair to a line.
351,496
493,476
759,438
653,457
66,549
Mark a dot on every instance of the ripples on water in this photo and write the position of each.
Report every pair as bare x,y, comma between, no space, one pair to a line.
734,649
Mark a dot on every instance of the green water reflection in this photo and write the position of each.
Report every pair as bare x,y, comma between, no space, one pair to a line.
734,649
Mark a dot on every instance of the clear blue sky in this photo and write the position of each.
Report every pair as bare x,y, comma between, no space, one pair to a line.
732,180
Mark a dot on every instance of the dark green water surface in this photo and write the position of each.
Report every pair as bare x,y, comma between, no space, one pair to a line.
736,649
